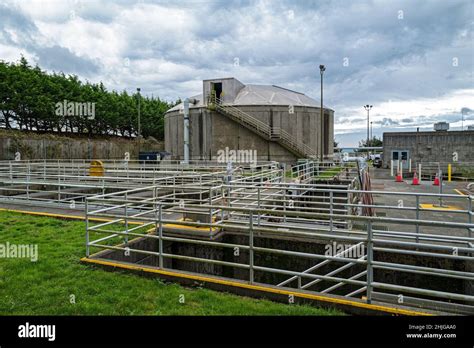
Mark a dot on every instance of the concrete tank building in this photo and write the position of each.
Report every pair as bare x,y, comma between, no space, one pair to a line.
279,124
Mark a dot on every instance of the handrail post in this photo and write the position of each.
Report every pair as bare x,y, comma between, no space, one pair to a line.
370,256
331,210
160,237
223,201
469,214
59,183
417,217
126,219
87,228
258,205
210,211
251,260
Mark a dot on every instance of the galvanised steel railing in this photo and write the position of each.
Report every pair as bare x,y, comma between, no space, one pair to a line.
261,128
399,245
313,170
66,183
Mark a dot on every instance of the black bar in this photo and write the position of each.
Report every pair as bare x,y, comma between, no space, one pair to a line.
242,330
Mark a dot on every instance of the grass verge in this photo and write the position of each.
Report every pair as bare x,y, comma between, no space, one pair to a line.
48,286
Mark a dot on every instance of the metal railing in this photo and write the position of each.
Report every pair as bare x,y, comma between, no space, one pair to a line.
66,183
200,206
313,170
402,242
269,133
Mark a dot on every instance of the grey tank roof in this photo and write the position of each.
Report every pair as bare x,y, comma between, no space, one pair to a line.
262,95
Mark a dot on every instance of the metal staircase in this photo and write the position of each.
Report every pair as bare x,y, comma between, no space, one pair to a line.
262,129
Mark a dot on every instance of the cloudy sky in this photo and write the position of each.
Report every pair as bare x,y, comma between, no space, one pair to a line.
412,60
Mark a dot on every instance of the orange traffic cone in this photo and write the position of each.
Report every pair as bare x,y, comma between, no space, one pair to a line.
436,180
399,177
415,181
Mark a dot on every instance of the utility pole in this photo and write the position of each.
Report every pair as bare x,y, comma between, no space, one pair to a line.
139,123
462,119
368,107
322,68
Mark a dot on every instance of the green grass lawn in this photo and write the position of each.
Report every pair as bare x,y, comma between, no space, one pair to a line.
328,173
325,173
45,287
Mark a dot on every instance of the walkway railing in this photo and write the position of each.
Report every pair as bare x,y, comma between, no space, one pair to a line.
65,183
261,128
428,253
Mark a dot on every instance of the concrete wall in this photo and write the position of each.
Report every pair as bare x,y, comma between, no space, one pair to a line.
47,146
230,88
430,146
211,131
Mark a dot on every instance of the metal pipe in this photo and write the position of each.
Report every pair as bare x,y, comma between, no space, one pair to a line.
186,129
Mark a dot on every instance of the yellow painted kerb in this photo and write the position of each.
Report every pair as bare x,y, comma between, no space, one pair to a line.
79,217
63,216
390,310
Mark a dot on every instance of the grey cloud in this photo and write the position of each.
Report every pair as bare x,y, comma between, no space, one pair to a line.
396,60
419,121
386,121
389,58
350,119
53,57
12,19
61,59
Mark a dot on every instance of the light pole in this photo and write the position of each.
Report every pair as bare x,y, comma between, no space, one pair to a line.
368,107
462,119
371,131
139,123
322,69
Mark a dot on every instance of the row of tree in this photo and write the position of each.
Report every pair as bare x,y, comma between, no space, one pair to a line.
31,99
373,142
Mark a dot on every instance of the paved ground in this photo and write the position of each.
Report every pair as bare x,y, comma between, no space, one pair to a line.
382,181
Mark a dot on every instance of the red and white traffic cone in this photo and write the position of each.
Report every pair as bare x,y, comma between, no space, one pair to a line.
436,180
415,181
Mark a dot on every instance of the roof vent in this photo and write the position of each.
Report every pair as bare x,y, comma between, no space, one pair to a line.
441,126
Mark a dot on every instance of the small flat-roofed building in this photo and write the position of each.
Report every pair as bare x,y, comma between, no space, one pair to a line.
442,146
